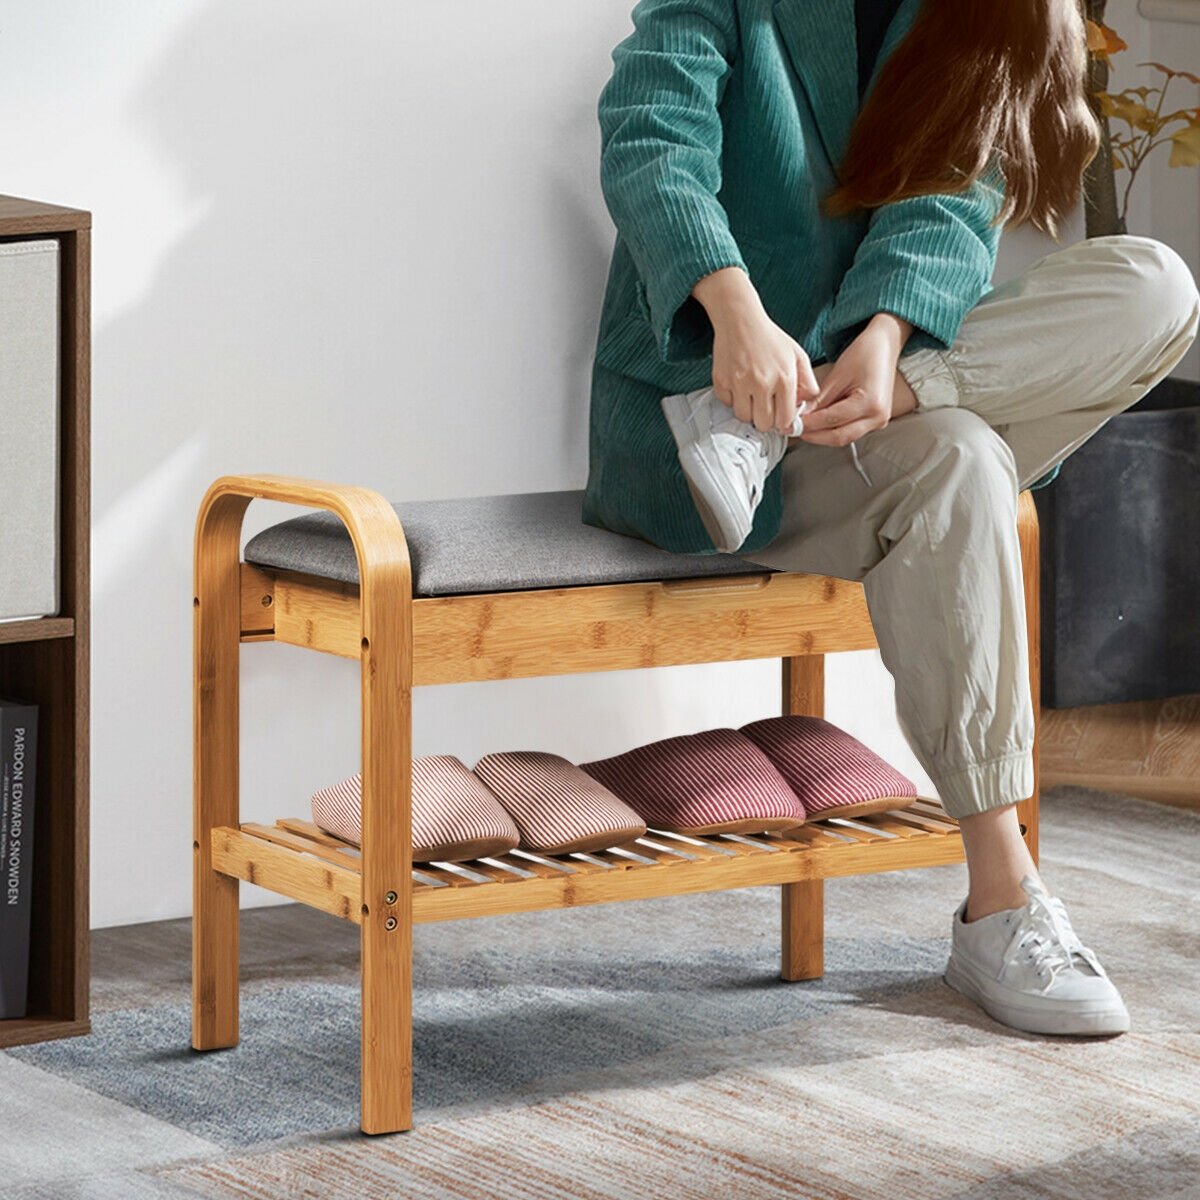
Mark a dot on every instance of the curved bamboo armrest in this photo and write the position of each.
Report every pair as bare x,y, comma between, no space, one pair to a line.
374,528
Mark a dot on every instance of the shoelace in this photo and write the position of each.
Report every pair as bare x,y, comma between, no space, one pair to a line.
858,466
1050,938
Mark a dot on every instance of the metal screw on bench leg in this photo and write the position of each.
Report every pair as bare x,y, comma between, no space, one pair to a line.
390,898
390,924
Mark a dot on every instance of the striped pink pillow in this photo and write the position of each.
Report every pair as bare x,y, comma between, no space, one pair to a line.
831,771
557,807
454,815
717,781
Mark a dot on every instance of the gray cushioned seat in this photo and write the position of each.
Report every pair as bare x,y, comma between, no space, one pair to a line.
489,544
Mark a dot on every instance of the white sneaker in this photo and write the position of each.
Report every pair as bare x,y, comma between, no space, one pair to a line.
725,461
1027,968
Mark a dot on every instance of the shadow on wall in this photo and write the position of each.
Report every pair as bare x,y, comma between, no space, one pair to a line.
393,280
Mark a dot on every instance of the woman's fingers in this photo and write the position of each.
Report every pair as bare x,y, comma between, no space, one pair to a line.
842,435
835,387
844,420
759,370
831,413
763,402
807,384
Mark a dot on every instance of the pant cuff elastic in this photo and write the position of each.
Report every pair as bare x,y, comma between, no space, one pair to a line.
986,785
930,377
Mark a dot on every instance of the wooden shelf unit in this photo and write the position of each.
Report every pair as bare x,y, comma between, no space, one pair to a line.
46,661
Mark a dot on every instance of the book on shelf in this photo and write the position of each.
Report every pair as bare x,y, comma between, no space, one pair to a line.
18,761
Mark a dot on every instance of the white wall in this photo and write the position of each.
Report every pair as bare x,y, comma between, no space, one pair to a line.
343,242
1169,198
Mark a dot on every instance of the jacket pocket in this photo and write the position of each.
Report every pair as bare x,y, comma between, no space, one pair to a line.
627,345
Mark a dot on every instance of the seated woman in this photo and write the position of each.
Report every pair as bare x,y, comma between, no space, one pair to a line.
790,246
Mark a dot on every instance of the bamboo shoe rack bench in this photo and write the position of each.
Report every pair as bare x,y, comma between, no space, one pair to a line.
401,641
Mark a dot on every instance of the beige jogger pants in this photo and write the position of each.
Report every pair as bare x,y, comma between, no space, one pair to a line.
1037,367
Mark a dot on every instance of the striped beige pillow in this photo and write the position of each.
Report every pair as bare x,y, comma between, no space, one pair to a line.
831,771
558,808
454,815
716,781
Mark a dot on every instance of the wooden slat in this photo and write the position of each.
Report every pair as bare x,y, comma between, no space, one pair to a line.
841,826
939,824
321,885
756,840
889,825
548,868
620,860
815,835
446,873
422,881
696,846
585,866
930,807
934,817
917,821
314,833
512,870
494,873
284,837
659,852
740,848
788,840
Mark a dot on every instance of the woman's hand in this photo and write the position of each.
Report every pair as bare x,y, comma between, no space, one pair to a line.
863,390
759,370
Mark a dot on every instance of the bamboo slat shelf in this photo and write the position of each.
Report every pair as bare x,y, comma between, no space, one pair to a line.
295,858
401,641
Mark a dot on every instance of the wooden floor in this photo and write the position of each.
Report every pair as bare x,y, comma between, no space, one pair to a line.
1146,748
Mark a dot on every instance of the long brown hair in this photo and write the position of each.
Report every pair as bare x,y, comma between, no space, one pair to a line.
970,81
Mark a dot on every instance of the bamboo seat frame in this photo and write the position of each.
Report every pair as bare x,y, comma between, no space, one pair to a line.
402,642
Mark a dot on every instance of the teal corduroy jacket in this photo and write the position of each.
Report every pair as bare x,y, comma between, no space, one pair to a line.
721,127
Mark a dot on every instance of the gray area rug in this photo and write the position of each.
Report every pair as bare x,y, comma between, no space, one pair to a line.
651,1050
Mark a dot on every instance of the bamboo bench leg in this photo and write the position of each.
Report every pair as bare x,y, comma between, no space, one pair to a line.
386,1025
387,867
216,642
803,904
1029,534
803,930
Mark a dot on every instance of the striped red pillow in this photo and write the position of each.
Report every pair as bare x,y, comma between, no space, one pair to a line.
716,781
454,815
558,808
831,771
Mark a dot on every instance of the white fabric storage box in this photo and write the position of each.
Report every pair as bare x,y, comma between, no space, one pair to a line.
29,428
